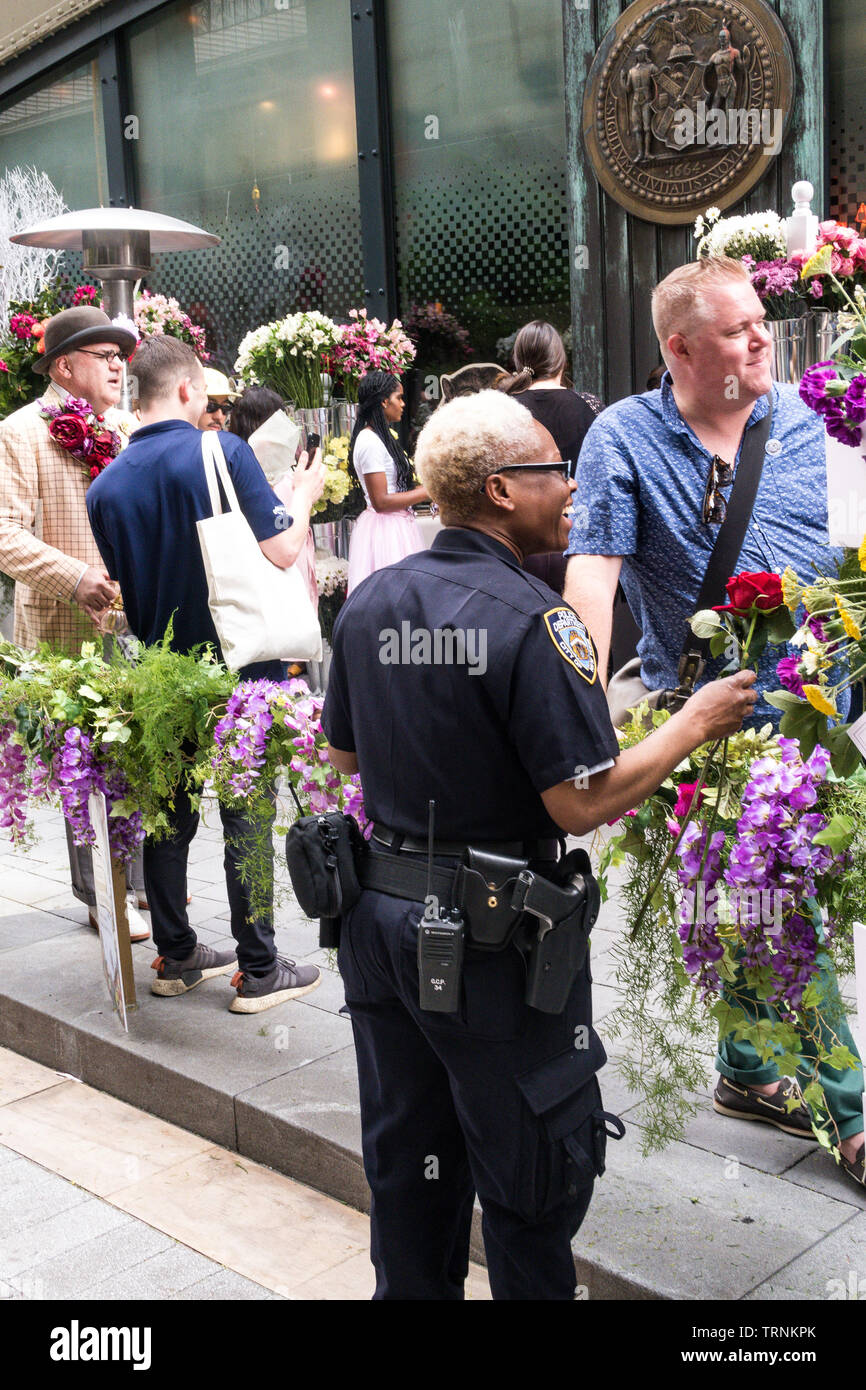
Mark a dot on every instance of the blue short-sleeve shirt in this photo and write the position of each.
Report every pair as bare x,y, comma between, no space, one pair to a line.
143,510
641,479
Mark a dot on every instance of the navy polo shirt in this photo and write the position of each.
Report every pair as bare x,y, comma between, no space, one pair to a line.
143,510
460,677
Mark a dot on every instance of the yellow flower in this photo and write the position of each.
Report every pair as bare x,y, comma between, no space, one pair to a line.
814,597
792,589
819,264
861,554
818,700
848,621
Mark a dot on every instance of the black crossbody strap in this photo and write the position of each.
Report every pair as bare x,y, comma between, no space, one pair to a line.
729,543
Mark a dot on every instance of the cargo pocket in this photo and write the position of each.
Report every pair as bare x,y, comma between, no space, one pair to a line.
565,1132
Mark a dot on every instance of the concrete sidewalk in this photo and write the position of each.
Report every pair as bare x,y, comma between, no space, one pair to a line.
736,1211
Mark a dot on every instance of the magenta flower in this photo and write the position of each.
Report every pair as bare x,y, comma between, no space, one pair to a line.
789,674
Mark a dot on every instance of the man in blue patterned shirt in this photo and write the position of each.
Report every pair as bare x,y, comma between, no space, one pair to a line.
642,484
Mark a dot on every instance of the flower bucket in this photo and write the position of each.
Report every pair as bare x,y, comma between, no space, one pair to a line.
846,491
821,333
788,347
323,420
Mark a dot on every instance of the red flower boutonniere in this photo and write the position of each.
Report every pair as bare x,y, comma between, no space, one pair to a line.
82,432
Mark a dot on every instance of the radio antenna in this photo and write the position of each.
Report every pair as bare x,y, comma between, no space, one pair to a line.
431,813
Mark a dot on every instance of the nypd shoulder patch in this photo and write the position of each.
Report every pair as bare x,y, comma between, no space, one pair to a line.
572,640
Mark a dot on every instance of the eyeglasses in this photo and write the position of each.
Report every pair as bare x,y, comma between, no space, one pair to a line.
108,356
563,469
213,406
715,505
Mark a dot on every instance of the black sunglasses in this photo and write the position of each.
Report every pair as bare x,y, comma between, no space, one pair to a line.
213,406
563,469
715,506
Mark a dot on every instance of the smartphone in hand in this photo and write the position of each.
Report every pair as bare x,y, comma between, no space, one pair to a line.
313,442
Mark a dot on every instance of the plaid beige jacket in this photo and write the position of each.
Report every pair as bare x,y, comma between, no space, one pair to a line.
45,538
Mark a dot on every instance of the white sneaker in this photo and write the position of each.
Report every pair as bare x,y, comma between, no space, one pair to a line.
138,928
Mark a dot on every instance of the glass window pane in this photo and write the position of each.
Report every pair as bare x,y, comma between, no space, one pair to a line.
57,126
846,95
479,147
247,128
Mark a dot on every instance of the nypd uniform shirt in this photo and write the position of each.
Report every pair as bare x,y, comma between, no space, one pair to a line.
460,677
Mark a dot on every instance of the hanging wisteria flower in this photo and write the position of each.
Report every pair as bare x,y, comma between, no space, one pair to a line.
13,782
80,773
774,866
269,726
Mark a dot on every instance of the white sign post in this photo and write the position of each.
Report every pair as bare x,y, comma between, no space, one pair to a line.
860,985
110,888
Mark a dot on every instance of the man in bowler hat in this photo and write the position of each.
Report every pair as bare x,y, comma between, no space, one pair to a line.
46,545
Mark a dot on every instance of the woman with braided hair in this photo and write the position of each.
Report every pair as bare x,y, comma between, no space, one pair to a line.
387,530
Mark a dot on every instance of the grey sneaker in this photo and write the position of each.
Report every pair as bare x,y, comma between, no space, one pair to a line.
286,981
179,976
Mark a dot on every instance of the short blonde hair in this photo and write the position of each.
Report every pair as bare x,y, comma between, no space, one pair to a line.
466,440
679,302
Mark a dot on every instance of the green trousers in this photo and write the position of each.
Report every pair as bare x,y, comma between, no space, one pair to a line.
738,1060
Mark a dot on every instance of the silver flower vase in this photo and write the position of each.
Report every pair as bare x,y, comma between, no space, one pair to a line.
789,348
822,332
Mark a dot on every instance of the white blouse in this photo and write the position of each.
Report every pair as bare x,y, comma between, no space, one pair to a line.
371,456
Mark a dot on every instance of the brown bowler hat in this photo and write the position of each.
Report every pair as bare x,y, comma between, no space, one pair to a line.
75,328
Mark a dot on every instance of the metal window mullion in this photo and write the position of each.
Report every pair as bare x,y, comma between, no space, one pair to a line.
114,91
375,168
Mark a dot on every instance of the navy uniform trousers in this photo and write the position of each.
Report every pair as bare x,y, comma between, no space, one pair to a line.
497,1099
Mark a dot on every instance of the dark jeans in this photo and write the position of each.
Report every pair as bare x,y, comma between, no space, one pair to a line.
497,1099
165,864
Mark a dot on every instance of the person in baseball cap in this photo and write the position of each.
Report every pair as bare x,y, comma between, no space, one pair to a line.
74,329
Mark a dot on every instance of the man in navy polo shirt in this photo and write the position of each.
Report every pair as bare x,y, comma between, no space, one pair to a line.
647,473
143,511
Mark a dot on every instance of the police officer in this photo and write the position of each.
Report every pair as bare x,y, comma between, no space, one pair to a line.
460,678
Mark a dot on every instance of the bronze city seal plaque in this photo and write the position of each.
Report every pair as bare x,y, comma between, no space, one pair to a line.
687,104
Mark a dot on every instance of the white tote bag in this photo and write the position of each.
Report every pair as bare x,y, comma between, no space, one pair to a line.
260,612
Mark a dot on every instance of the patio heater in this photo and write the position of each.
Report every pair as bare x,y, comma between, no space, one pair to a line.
117,245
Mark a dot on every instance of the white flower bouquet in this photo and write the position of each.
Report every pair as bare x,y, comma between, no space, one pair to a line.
760,235
290,356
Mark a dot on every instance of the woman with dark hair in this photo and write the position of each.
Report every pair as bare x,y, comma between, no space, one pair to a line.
252,409
386,531
537,383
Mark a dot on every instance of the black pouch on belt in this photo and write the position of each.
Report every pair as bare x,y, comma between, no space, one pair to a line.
483,891
321,854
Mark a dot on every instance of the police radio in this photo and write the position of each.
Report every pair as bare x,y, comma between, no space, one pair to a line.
440,946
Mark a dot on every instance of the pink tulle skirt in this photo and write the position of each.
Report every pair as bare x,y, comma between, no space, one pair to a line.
381,538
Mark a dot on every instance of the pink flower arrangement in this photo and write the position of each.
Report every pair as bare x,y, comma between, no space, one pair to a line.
847,263
367,345
21,325
157,313
85,294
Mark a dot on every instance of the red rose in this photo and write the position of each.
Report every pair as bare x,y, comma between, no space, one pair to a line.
685,797
103,445
68,430
747,591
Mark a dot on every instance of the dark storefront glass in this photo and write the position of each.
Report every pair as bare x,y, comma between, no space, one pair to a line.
479,150
846,101
56,127
247,128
